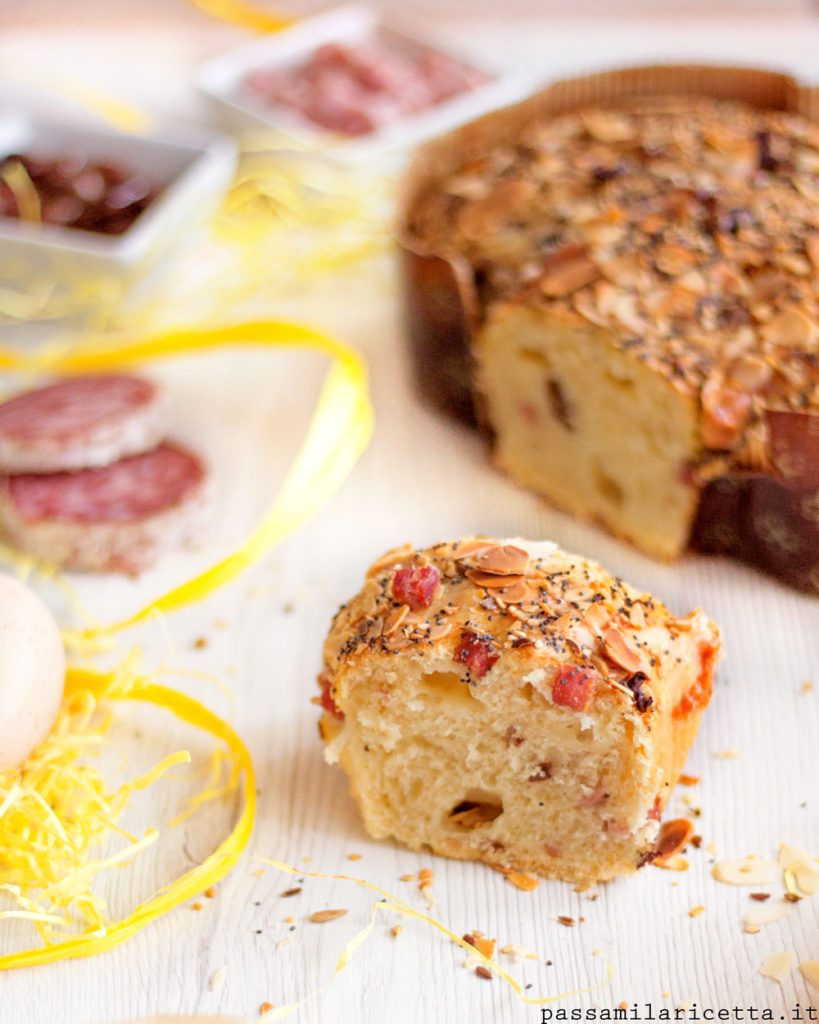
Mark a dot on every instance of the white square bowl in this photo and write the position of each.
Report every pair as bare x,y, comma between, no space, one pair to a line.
191,170
222,78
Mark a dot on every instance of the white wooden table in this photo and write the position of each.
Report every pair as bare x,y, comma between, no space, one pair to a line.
424,480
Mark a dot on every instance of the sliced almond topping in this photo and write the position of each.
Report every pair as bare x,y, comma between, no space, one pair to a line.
790,855
725,412
761,914
503,560
778,965
810,972
469,547
396,619
525,882
619,650
596,616
439,632
812,249
320,916
749,373
606,126
674,836
515,593
389,558
568,277
792,328
749,871
491,580
637,615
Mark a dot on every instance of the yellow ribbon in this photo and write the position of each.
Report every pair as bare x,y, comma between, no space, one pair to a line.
246,15
340,429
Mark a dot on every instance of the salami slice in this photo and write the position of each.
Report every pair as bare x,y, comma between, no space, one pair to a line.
118,518
79,423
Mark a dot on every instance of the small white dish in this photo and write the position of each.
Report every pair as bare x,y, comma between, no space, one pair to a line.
191,170
236,109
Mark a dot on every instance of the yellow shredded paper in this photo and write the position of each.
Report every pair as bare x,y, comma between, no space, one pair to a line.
56,810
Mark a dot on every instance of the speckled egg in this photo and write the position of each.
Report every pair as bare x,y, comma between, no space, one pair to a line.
32,671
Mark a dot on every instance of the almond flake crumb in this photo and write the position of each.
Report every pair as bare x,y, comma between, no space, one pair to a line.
396,930
217,979
778,965
685,1005
518,953
765,913
483,972
289,919
210,892
284,942
265,1008
407,878
688,780
353,856
748,871
807,687
810,972
666,995
568,921
259,873
623,1005
596,952
307,860
473,960
696,911
196,905
525,882
675,863
426,875
320,916
728,755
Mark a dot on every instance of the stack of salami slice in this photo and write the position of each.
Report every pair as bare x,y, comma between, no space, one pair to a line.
89,481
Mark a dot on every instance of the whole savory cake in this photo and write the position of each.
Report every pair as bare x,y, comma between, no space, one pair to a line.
639,282
512,703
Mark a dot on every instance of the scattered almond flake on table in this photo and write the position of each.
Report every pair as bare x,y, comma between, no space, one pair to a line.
285,942
675,863
765,913
807,687
810,972
696,911
799,867
518,953
217,979
748,871
524,882
728,755
685,1005
320,916
688,780
778,965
